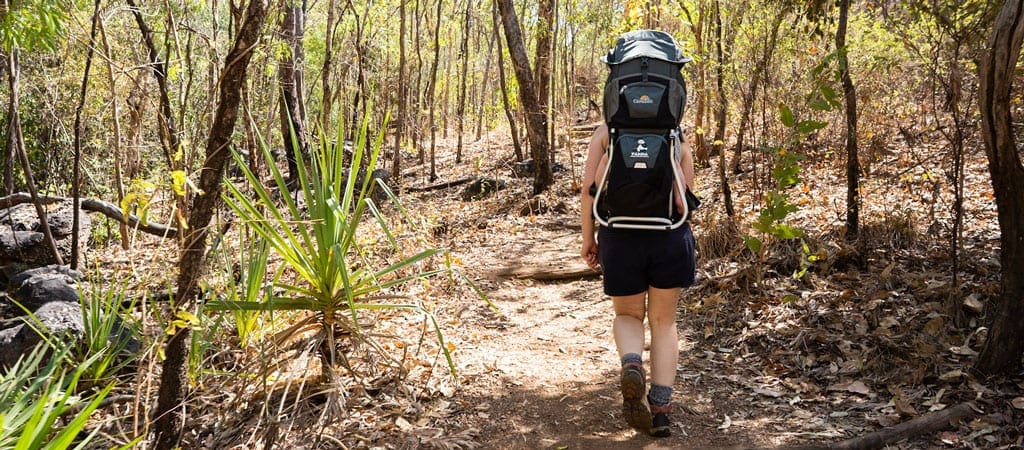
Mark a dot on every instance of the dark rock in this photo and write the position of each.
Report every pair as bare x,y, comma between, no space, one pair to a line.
525,168
482,188
22,239
59,319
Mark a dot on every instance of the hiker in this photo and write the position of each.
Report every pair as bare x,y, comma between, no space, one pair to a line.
645,261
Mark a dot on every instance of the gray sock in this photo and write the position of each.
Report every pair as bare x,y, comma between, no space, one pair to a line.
632,357
659,394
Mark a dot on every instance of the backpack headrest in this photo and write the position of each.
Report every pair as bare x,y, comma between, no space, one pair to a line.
646,43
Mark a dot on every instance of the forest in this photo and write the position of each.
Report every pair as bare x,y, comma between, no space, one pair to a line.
356,224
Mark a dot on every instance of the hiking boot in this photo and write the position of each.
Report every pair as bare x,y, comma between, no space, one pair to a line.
633,386
659,421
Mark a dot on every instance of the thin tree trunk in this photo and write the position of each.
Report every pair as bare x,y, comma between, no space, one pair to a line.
18,140
418,91
116,117
171,138
513,130
536,126
396,164
325,73
542,63
76,175
750,95
1005,344
483,96
293,124
850,95
461,112
720,113
168,419
433,91
701,152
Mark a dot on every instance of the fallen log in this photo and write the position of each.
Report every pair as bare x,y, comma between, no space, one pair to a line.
98,206
548,274
445,185
927,424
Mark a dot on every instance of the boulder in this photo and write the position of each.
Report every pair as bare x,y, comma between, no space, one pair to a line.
22,239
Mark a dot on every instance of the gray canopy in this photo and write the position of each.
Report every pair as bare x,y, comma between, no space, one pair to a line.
646,43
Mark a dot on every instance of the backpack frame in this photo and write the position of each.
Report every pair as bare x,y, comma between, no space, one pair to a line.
644,100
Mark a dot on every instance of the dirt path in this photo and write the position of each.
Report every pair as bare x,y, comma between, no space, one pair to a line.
546,374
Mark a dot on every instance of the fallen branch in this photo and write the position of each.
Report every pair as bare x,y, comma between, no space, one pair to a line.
548,274
445,185
927,424
93,205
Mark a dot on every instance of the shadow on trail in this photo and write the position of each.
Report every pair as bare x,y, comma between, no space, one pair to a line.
586,414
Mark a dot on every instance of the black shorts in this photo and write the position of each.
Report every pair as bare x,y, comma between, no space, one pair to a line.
633,260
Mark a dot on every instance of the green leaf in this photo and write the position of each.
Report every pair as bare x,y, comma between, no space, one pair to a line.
786,115
752,243
790,298
810,126
784,231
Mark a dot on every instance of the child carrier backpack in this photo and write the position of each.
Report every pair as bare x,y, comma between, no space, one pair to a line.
644,99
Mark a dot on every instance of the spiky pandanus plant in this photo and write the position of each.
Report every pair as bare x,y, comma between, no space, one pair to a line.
316,240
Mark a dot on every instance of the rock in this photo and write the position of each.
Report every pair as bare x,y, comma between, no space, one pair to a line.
482,188
50,294
22,239
525,168
59,319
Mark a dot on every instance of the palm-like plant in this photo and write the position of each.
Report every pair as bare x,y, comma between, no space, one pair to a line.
316,240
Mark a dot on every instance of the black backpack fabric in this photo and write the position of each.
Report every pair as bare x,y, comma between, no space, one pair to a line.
644,100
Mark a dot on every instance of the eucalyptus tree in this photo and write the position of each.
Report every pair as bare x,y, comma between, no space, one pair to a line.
536,125
1004,347
233,75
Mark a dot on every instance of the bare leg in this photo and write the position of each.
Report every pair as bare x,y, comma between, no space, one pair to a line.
661,313
628,327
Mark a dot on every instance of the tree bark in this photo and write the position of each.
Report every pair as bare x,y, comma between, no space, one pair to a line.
116,118
17,141
170,137
721,113
850,96
325,73
1005,344
168,419
700,145
289,72
542,63
503,86
433,91
461,111
76,175
536,128
403,96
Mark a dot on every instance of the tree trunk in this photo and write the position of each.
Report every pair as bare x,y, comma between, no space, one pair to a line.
396,163
76,177
325,73
289,68
433,91
1005,344
168,419
116,145
167,130
700,146
17,141
461,111
536,128
542,64
503,86
483,94
850,95
750,95
720,113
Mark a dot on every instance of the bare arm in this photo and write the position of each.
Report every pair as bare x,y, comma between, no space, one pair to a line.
595,159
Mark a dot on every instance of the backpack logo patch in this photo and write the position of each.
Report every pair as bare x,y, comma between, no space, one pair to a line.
643,100
640,152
